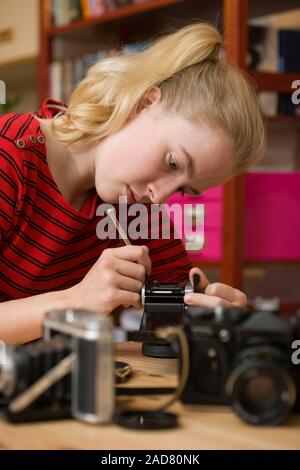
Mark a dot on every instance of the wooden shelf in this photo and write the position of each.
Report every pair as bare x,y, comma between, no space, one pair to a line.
282,119
272,81
112,15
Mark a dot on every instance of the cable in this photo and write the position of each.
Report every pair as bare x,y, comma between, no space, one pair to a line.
169,332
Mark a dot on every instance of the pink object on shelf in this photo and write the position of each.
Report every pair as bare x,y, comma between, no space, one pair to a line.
272,218
212,249
272,226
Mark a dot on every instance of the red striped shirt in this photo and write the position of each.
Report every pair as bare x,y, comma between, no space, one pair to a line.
46,244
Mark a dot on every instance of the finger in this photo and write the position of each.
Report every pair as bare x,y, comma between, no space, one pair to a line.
131,269
128,284
146,260
128,299
206,301
232,295
139,254
203,279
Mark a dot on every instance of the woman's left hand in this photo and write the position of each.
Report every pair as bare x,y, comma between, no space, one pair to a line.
214,293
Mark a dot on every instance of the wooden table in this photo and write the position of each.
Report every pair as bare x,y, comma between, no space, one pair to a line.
200,428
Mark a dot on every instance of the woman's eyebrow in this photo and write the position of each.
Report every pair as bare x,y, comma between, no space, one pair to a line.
190,169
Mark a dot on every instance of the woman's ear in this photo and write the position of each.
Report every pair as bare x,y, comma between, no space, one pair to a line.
152,97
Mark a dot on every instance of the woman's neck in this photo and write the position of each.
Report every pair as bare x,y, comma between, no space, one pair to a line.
72,167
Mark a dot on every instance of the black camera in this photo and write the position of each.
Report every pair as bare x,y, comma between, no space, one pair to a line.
243,358
163,305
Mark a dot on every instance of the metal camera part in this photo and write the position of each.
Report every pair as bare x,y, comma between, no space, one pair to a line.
143,295
163,306
93,391
188,288
266,305
7,371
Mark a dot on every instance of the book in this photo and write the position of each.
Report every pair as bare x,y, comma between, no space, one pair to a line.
286,105
56,81
97,7
289,61
263,55
74,10
289,56
113,4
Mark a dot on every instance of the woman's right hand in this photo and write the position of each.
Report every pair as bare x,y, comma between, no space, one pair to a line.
115,279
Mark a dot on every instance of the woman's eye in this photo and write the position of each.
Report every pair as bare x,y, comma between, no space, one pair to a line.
172,163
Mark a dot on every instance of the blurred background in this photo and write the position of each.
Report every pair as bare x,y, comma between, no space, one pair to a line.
251,236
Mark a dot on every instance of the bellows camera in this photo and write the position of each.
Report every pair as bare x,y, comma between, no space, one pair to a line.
73,363
243,359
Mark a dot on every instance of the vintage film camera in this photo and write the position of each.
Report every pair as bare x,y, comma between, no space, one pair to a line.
71,373
88,382
244,359
163,305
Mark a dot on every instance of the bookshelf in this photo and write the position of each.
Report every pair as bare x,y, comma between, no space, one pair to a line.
143,20
268,81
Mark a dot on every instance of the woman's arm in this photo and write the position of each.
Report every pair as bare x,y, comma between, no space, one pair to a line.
21,320
115,279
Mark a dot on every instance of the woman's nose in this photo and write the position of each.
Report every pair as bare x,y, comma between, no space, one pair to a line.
159,192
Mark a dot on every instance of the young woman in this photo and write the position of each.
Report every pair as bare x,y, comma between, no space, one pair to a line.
174,117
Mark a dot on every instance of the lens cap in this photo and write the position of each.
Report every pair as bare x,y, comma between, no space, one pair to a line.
146,419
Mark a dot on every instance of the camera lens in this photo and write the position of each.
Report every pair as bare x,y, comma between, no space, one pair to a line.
261,392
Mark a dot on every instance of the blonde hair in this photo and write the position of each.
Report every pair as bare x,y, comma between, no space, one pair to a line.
195,82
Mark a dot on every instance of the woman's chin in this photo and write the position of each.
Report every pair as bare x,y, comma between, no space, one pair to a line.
106,198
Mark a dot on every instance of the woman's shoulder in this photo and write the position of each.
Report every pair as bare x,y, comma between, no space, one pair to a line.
13,125
22,143
16,126
12,130
16,136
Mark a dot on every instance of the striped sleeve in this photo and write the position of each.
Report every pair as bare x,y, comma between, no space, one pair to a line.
11,184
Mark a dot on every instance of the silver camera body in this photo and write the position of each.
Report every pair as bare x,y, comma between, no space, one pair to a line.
92,374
